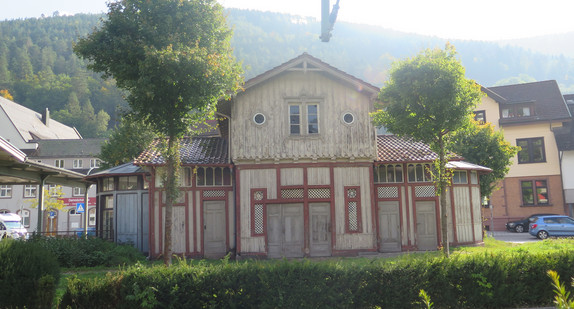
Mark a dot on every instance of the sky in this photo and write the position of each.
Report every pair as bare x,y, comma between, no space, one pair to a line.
487,20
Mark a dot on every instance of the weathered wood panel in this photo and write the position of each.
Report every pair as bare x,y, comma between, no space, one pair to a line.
353,176
462,213
291,176
156,224
477,217
231,219
178,231
264,179
318,176
272,97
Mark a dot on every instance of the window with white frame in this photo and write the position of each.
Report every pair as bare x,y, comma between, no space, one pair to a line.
30,190
59,163
5,191
25,215
78,163
78,191
95,163
459,177
419,172
388,173
304,118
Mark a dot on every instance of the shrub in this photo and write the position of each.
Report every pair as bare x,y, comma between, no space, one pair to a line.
488,280
81,252
28,273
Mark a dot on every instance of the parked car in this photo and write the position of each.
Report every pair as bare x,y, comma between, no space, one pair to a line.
522,225
550,226
11,227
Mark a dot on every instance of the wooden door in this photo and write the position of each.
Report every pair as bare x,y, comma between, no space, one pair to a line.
320,243
285,230
426,226
389,227
50,223
214,223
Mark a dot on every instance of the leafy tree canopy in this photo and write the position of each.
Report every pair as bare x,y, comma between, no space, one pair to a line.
481,144
429,98
173,57
126,142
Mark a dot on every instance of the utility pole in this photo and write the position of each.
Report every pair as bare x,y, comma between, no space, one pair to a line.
328,19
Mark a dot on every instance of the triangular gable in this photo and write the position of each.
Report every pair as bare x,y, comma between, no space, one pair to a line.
307,63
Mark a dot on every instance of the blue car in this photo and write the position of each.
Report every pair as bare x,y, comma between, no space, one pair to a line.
551,226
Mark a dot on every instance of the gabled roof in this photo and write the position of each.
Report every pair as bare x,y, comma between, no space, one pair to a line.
546,96
193,151
306,62
30,125
391,148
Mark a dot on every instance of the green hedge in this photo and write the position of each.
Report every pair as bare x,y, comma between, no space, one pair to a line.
29,275
81,252
462,281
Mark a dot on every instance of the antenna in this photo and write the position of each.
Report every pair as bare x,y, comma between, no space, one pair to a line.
328,19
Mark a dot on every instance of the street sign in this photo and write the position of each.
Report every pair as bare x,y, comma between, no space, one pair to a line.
52,214
80,208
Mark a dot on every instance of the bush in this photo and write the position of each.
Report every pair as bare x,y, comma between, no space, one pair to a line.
81,252
29,275
484,280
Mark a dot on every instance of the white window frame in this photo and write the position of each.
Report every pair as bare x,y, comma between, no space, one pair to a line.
59,163
30,191
95,163
25,215
78,191
304,114
78,163
5,191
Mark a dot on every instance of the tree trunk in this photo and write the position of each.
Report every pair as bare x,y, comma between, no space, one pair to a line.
443,181
169,187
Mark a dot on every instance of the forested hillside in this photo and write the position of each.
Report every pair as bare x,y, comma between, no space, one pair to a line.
39,69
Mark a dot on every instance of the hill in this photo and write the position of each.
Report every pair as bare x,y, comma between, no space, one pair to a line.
39,69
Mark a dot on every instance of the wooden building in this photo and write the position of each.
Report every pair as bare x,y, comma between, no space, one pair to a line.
301,176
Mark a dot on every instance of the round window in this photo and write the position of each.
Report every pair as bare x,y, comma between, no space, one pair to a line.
348,118
259,118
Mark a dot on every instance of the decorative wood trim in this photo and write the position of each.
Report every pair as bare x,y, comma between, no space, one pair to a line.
357,200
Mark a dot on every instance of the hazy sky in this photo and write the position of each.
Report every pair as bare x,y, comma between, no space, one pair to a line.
451,19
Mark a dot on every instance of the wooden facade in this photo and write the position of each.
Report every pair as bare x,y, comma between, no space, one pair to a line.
304,163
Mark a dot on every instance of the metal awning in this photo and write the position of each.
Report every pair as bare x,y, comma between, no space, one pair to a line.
17,169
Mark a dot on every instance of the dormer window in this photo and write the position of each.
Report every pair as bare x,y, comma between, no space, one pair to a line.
519,110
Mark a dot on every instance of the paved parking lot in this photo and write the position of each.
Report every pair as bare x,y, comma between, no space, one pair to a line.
512,236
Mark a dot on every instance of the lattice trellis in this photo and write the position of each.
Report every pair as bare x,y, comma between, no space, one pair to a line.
214,193
258,218
320,193
258,195
388,192
424,191
291,193
353,220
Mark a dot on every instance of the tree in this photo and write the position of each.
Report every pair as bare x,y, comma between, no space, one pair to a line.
126,142
174,59
428,98
481,144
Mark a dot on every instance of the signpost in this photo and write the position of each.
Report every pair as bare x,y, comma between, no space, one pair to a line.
80,208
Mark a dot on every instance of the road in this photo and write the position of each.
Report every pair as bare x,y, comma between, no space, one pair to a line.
512,236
